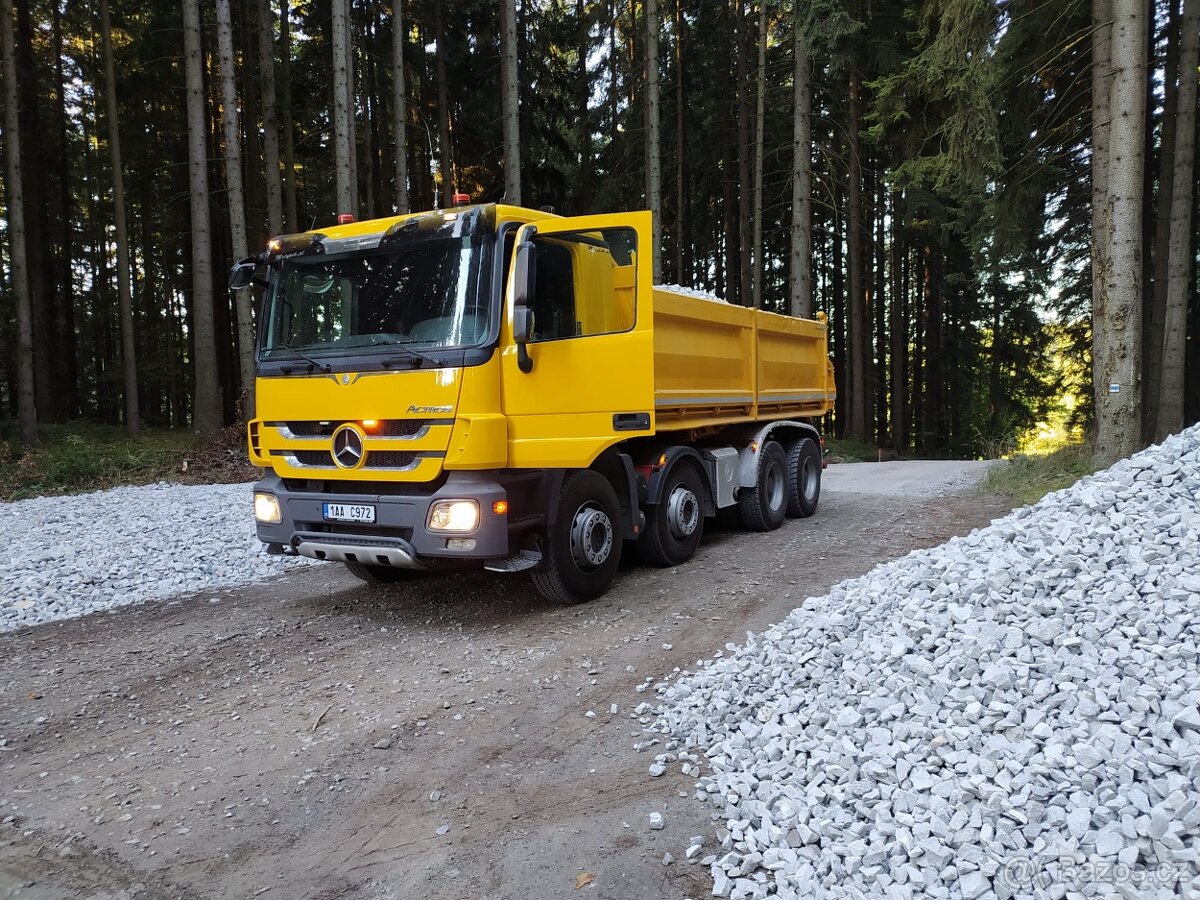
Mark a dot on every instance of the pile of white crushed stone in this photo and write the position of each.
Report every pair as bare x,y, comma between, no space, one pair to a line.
1015,713
68,556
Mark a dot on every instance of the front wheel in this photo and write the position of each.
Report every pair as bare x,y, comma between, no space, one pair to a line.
581,553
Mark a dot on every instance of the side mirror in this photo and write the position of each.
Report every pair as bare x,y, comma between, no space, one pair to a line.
524,271
242,274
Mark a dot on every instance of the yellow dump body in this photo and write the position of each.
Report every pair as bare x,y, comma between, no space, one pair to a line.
718,364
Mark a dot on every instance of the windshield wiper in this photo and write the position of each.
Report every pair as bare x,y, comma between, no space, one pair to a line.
416,357
312,363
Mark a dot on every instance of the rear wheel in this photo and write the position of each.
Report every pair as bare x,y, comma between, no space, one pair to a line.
764,506
674,524
373,574
804,478
581,554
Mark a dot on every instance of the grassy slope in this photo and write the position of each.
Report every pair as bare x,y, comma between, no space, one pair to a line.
1028,478
77,457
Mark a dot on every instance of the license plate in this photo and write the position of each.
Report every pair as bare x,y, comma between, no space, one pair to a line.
349,512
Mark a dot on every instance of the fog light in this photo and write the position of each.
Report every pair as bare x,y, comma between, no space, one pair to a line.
266,509
454,515
460,544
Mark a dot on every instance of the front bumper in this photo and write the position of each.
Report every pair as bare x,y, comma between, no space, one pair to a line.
399,537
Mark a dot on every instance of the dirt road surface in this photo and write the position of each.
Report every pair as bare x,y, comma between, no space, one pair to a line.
311,737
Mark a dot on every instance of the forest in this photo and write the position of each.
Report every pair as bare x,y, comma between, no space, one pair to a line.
994,202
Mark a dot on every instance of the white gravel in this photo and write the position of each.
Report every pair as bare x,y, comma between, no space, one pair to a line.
69,556
1013,714
690,292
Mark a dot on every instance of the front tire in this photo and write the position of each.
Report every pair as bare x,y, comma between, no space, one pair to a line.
581,553
675,524
764,506
804,478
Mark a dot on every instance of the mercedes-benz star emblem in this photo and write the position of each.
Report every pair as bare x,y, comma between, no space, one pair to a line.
347,450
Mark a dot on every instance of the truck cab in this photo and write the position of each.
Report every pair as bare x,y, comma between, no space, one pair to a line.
465,387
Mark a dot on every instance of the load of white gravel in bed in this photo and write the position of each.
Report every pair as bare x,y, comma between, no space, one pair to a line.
68,556
1015,713
690,292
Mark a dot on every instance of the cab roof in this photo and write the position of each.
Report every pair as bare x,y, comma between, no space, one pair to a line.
499,212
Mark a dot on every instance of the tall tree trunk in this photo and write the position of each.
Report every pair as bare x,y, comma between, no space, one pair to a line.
858,325
1117,319
800,285
270,114
1170,397
756,240
399,106
68,369
237,205
881,371
745,281
898,328
1101,129
343,149
125,300
1159,237
653,142
446,176
18,258
583,95
367,80
683,273
352,102
206,416
289,140
935,361
39,253
510,102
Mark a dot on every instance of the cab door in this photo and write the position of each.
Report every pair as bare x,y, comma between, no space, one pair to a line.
584,378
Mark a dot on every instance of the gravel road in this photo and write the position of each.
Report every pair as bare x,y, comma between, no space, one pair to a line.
309,737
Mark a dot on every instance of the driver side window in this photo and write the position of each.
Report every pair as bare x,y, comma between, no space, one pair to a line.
584,283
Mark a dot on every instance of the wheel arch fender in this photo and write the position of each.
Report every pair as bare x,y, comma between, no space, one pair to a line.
786,432
675,455
617,468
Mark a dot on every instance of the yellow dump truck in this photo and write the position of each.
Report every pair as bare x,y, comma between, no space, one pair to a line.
498,387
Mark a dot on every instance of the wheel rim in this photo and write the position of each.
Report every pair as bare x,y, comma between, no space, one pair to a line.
808,479
683,512
775,484
591,537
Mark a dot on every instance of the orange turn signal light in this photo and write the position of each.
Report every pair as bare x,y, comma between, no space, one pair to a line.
500,507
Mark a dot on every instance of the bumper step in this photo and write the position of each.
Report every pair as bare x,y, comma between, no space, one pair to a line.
518,562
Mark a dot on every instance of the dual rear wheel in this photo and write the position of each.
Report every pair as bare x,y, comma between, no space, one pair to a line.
789,485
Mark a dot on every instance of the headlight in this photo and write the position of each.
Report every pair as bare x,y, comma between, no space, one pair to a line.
266,509
461,516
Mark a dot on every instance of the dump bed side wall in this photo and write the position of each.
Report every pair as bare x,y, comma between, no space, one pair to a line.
792,364
716,364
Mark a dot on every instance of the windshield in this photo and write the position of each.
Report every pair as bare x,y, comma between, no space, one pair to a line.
424,294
